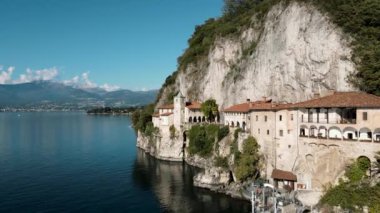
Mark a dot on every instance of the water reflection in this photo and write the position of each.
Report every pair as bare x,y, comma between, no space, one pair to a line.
171,183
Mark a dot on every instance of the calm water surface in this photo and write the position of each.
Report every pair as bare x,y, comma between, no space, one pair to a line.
54,162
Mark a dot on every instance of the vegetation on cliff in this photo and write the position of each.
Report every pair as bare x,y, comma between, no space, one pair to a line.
247,163
142,118
210,109
356,191
358,19
203,137
361,20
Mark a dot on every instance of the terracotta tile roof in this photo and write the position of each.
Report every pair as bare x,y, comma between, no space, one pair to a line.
283,175
343,99
166,114
193,105
247,106
244,107
167,106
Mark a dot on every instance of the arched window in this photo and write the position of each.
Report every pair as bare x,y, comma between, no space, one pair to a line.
350,133
376,135
335,133
365,134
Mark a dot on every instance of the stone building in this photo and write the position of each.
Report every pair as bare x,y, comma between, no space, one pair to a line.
295,137
180,113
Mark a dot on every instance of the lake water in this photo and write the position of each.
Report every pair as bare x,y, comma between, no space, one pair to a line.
60,162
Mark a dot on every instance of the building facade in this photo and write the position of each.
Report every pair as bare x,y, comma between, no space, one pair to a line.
339,126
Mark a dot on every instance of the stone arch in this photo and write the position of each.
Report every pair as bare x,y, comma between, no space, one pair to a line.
304,131
190,119
364,163
322,132
309,157
376,135
335,133
203,119
232,124
365,134
194,119
237,124
199,119
244,125
313,131
350,133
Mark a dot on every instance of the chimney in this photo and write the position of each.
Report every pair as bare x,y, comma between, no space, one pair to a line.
248,100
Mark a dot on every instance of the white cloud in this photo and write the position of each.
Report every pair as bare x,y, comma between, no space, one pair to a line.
6,75
37,75
72,82
82,81
86,82
109,88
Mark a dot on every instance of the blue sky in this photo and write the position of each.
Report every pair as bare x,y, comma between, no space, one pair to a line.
133,44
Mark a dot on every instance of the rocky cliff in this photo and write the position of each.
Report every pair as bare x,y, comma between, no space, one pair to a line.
290,54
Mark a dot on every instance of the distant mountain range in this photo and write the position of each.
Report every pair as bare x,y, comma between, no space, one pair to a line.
53,95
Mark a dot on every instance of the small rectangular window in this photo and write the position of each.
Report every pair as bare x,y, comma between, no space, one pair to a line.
280,118
257,117
291,116
281,133
365,116
268,132
288,131
258,131
265,118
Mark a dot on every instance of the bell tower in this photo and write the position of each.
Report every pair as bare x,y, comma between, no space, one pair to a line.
179,110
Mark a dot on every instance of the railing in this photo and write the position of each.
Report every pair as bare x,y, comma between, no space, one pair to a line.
340,121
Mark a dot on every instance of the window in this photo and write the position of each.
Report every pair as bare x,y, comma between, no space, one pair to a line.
257,117
281,132
265,118
288,131
302,118
280,118
268,132
291,116
258,131
365,116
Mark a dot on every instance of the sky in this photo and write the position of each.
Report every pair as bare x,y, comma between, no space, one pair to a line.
130,44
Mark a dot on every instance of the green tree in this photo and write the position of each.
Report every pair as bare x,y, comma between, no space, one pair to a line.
141,117
232,7
247,166
210,109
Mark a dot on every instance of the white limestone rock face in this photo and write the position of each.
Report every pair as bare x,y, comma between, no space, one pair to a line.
298,52
162,147
212,178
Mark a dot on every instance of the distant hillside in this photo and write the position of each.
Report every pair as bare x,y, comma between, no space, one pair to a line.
45,94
